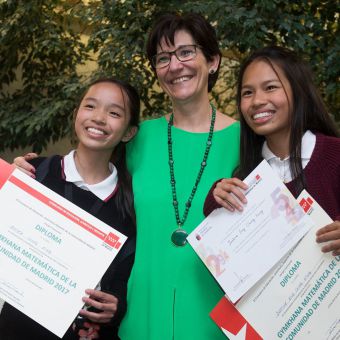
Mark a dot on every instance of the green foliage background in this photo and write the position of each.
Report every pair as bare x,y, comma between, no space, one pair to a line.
41,50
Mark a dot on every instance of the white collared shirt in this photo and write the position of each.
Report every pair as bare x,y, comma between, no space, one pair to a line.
102,190
281,167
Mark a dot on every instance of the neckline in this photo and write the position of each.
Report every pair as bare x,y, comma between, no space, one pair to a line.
179,130
104,190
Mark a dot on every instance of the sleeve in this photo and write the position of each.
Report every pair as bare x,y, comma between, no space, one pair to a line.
210,203
119,287
115,282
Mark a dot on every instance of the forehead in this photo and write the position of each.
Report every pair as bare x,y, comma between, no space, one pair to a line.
263,70
181,37
105,89
108,94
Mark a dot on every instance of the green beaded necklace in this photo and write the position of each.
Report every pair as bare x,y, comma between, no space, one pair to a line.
179,236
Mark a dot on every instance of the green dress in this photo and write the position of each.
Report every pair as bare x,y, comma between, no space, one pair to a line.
170,291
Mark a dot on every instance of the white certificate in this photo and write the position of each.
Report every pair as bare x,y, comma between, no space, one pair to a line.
50,250
298,299
240,248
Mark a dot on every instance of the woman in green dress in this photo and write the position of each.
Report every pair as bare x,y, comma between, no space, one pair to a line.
173,161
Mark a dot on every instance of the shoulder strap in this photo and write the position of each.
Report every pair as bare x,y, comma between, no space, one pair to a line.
43,168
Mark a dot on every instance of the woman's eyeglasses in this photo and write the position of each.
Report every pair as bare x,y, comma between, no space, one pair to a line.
182,53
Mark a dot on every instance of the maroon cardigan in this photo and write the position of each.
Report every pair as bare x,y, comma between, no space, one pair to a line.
322,175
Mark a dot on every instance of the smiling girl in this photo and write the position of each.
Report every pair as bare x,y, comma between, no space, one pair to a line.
284,121
94,176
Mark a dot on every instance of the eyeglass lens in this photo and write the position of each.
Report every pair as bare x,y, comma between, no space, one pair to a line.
183,53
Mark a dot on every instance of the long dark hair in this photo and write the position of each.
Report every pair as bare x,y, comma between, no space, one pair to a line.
124,196
199,28
308,112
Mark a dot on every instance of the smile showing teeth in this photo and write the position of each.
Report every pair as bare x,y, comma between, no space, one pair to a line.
179,80
262,115
95,131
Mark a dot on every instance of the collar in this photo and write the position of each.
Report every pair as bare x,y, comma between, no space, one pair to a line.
307,147
103,190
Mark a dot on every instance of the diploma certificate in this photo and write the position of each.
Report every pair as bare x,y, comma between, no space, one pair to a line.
298,299
240,248
50,250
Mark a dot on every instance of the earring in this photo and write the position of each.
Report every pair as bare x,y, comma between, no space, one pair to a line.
212,71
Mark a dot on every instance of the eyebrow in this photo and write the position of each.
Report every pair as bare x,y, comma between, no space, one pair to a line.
265,82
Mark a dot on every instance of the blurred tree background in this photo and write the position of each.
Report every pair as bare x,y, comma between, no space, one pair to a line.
42,49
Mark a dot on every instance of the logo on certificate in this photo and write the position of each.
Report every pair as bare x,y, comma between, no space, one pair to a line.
252,183
306,205
112,240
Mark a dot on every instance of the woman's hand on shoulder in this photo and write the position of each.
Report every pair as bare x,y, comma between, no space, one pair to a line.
228,193
104,302
330,234
22,164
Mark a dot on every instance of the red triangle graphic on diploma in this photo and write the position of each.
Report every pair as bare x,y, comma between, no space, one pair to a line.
228,317
6,170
